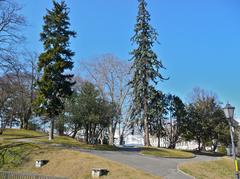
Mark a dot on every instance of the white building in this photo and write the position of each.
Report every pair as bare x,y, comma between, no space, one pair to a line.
137,139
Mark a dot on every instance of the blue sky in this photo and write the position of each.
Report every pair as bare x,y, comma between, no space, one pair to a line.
200,40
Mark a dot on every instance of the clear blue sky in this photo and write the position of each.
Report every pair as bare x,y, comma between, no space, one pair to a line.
200,40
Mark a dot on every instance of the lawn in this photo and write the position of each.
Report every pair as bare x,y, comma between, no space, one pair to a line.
11,134
21,157
78,165
219,169
70,142
18,134
168,153
14,154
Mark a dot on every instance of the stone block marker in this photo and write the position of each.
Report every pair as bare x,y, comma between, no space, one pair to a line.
98,172
40,163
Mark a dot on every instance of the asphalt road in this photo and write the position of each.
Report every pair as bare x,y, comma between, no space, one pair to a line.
163,167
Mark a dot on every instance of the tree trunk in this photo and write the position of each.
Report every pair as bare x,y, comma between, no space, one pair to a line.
86,134
173,142
21,123
74,132
171,127
203,148
61,131
146,133
51,131
2,126
172,145
111,136
26,118
214,148
90,134
60,127
146,129
199,145
101,141
121,140
101,137
158,140
25,123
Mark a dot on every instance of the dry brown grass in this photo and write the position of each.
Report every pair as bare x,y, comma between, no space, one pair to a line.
219,169
168,153
78,165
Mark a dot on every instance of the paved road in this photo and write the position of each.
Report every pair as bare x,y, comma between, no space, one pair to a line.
164,167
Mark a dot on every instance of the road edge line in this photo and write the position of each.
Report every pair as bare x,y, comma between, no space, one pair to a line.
179,170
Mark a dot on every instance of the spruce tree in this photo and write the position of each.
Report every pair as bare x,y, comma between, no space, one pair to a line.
145,67
55,83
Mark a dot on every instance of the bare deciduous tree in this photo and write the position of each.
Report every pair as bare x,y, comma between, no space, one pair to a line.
111,76
17,89
11,22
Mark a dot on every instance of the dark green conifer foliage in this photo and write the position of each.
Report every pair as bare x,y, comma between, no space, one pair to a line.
55,83
145,66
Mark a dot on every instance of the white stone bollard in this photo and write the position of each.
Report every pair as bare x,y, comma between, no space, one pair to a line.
40,163
97,172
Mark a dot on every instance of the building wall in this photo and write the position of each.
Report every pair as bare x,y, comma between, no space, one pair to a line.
138,140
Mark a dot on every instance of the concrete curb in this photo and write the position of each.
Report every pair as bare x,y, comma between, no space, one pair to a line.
179,170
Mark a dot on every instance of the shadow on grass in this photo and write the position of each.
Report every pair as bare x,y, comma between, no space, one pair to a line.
207,153
167,153
22,137
129,149
12,155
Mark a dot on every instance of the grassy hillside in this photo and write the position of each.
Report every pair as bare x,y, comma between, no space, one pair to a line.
17,134
219,169
76,165
39,137
68,141
21,156
13,155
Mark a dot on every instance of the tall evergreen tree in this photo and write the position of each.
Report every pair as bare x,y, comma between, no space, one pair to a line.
55,84
145,67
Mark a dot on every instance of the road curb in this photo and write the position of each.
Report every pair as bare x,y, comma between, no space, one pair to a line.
179,170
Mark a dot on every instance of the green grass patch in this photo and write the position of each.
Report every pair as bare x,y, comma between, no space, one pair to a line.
70,142
168,153
20,133
219,169
10,134
13,154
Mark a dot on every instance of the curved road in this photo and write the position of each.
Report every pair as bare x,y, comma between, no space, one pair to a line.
164,167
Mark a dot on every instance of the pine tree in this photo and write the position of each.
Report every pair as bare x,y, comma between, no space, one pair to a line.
145,67
55,84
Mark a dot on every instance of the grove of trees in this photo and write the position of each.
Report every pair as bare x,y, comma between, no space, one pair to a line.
107,96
